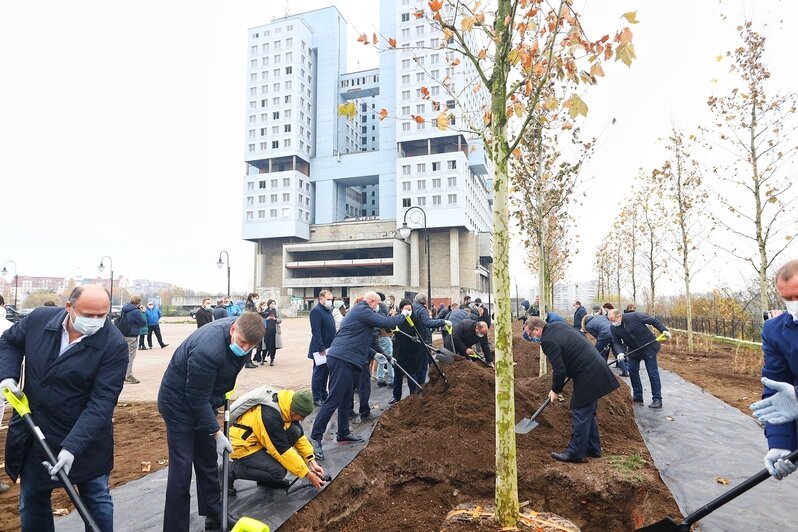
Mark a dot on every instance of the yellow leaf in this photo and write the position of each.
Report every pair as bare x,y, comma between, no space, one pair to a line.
722,480
551,103
349,110
467,24
518,108
447,34
596,70
383,113
625,53
631,17
513,56
576,106
718,58
442,121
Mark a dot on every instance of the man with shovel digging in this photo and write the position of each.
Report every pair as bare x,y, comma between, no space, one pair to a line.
572,356
468,333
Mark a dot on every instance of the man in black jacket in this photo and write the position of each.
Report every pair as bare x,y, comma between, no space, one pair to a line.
204,315
579,313
130,323
571,355
75,364
202,370
630,327
423,326
468,333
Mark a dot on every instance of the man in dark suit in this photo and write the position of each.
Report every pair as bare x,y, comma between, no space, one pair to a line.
322,332
468,333
631,328
571,355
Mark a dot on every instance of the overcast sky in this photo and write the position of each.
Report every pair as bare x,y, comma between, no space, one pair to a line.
121,125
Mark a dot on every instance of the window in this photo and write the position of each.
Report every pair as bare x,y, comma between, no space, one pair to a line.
405,33
275,144
252,133
274,183
287,113
405,63
287,128
434,59
261,214
450,104
251,147
436,183
275,130
421,168
452,199
262,184
262,198
289,41
287,98
421,201
406,169
288,85
249,215
419,30
405,79
452,181
264,145
287,196
421,184
435,90
251,185
405,95
250,201
436,166
405,202
405,17
273,213
405,186
436,200
253,105
405,110
287,143
406,126
286,181
286,213
289,70
273,198
254,50
364,129
276,115
434,43
420,109
419,77
451,165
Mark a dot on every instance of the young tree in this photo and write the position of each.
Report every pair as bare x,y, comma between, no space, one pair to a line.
680,182
517,50
758,132
652,214
628,233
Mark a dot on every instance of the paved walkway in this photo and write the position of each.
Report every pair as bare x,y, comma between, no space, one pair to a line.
707,439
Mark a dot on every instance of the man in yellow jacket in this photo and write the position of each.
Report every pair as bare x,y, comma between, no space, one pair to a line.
268,440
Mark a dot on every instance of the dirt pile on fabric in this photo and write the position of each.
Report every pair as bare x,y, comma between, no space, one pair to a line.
431,452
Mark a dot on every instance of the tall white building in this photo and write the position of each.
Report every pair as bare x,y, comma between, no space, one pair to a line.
324,195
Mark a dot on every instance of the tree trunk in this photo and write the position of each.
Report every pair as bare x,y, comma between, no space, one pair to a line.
762,270
651,275
685,244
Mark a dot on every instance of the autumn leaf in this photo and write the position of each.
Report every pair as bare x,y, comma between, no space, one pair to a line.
476,88
392,42
631,17
551,103
455,62
518,108
418,118
447,34
435,5
482,54
513,56
349,110
473,148
363,38
517,153
383,114
442,122
625,37
722,480
576,106
567,126
596,70
419,13
625,53
436,106
374,38
467,24
424,92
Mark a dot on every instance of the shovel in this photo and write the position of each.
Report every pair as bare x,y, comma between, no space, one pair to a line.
226,462
528,424
445,355
22,408
395,364
669,525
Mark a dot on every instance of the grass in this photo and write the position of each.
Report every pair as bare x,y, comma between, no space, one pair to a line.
628,465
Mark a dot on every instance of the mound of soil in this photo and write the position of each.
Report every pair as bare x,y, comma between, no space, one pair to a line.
433,451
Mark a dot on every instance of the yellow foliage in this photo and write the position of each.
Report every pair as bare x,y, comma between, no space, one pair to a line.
349,110
631,17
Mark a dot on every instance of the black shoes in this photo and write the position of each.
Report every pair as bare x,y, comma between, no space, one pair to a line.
142,348
637,401
349,438
366,417
275,484
656,403
393,401
594,454
213,523
565,457
317,449
271,363
250,365
164,346
625,374
381,384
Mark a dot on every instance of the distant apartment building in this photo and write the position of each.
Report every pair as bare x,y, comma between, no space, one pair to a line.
565,294
28,283
324,194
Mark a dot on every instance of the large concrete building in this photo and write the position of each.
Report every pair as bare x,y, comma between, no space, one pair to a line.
324,194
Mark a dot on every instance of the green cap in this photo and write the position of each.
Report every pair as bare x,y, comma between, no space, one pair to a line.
302,403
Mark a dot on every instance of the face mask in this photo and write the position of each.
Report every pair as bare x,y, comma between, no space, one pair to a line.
531,338
237,349
87,326
206,307
792,308
272,306
375,309
480,335
616,323
328,303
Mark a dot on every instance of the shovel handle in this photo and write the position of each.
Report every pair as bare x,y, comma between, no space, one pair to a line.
733,493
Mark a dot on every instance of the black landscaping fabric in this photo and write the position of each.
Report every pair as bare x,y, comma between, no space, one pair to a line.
138,505
706,441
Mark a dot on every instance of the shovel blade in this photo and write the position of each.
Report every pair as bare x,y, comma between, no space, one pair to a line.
525,425
665,525
444,356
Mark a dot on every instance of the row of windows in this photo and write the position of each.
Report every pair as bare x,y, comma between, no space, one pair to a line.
279,72
435,165
421,184
363,80
274,181
289,56
276,45
277,31
273,198
421,201
302,215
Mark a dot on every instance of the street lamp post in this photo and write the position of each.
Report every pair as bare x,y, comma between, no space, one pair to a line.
404,232
101,267
517,301
220,263
16,280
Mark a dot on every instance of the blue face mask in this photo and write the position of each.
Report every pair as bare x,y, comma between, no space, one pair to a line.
531,338
237,350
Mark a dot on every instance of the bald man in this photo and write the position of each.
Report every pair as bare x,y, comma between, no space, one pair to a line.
75,364
346,357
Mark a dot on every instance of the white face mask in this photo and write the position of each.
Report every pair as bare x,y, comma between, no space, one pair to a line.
480,335
87,326
792,308
328,303
207,307
616,323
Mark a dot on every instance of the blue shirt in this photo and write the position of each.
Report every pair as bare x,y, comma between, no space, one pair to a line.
780,348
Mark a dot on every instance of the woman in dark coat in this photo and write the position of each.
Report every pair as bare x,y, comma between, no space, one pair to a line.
272,318
406,353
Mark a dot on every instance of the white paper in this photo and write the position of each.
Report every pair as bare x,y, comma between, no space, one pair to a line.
319,359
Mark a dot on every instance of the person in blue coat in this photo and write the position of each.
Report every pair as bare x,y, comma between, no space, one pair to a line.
424,325
579,313
551,317
600,328
131,320
346,357
778,408
75,363
631,328
322,333
154,324
202,370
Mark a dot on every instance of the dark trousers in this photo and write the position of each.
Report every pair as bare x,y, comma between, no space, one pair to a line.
423,366
584,431
141,341
157,330
270,347
318,382
399,377
342,381
260,466
604,347
363,386
190,448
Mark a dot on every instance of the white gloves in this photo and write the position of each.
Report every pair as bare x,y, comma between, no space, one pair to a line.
447,323
407,313
779,408
621,357
776,465
11,384
222,443
667,334
65,459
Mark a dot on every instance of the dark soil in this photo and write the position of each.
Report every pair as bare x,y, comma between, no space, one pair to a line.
430,453
139,437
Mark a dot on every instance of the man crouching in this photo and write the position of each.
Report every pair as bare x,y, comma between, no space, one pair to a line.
268,440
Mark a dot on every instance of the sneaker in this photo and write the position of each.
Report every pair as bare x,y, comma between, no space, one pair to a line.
656,403
637,400
131,380
4,487
373,377
213,523
381,384
393,401
366,417
318,402
317,450
349,438
250,366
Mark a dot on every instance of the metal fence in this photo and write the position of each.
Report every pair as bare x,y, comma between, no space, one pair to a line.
741,329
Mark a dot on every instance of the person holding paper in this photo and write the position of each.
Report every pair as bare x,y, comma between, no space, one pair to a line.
322,331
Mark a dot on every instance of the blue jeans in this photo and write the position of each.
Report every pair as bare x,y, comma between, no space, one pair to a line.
653,377
386,345
36,511
604,347
584,431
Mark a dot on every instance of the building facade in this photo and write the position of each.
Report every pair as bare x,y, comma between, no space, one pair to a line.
324,194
